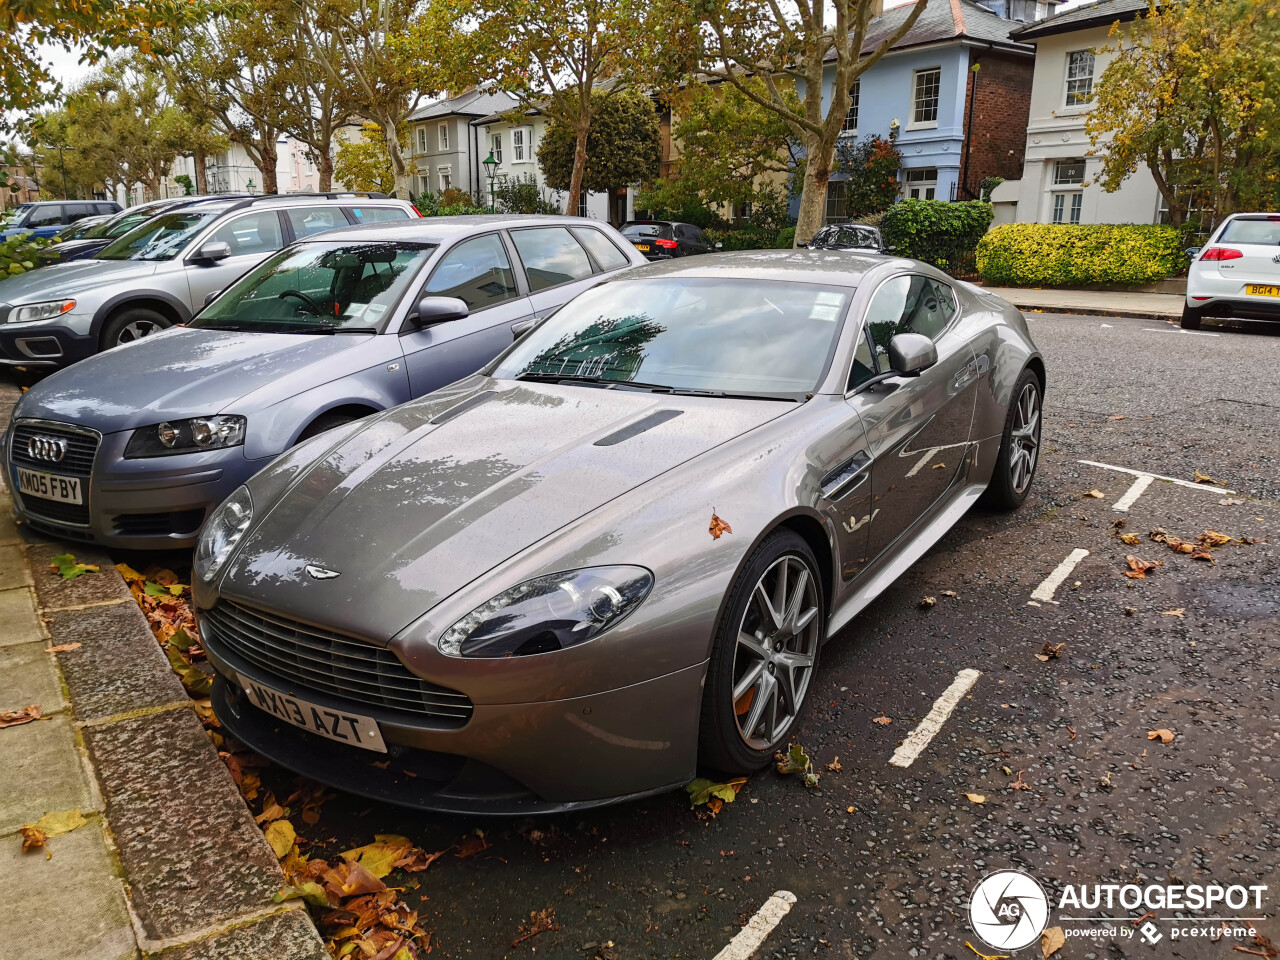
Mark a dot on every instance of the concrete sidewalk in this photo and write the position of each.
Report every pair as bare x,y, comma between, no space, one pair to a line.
1106,303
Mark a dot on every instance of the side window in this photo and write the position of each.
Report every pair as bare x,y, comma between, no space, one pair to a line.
607,255
475,271
930,307
309,220
49,216
701,237
105,208
551,257
255,234
375,214
864,362
884,316
71,212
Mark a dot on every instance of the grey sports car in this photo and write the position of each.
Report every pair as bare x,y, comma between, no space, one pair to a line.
615,553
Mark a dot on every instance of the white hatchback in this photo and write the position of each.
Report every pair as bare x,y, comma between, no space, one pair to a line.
1237,273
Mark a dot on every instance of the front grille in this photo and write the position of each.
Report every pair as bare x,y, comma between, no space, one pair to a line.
81,448
180,522
316,659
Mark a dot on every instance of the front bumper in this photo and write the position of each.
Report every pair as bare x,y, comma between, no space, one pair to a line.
48,344
508,759
156,503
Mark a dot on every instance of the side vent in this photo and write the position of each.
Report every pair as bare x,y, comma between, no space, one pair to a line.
458,409
639,427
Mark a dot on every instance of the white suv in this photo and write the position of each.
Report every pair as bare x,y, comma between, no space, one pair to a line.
1237,273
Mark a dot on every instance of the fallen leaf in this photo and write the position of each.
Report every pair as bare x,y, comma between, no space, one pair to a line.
987,956
704,791
1096,494
1230,502
718,527
270,811
834,765
280,837
471,844
11,718
1175,613
976,798
1071,730
380,856
1114,416
1051,941
1212,538
1018,784
64,648
938,466
1163,735
1132,539
1053,651
32,837
65,565
1138,568
882,719
310,891
950,593
1204,478
540,921
56,824
795,760
1119,523
927,602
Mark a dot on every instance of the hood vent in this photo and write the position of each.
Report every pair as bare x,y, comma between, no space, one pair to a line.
639,427
458,409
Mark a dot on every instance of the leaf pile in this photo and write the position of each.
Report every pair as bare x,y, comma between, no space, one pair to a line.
1200,548
167,606
796,761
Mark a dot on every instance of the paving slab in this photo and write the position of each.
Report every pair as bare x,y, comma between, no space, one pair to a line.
13,567
29,677
1118,303
18,615
54,592
72,906
118,667
289,935
188,844
43,772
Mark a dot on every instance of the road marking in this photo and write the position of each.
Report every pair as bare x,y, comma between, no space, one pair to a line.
1044,592
1135,490
1193,333
758,927
1211,488
919,738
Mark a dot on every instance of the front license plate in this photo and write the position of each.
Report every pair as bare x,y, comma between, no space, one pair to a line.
47,486
349,728
643,247
1261,290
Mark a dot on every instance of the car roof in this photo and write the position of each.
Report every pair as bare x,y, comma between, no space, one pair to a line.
444,229
840,268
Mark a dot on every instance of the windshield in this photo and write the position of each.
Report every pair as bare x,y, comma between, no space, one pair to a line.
739,337
1262,230
646,230
319,288
160,238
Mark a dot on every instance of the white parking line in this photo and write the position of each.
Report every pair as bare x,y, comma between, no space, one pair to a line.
928,728
1044,592
750,937
1135,490
1139,486
1193,333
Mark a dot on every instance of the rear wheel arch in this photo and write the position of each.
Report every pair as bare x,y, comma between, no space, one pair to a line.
1036,366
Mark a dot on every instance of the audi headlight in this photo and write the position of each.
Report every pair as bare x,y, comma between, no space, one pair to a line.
186,436
548,613
40,311
221,534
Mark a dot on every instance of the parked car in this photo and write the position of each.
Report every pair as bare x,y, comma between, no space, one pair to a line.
134,446
45,218
89,243
847,236
1237,273
665,239
78,229
616,551
161,272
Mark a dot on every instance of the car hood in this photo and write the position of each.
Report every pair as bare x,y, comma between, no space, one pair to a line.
181,372
79,245
68,279
434,493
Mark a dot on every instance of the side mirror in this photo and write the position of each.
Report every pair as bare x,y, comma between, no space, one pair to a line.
719,245
433,310
213,251
1192,252
211,296
910,354
888,249
802,245
518,330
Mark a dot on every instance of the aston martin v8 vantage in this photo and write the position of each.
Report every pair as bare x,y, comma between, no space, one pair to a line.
615,553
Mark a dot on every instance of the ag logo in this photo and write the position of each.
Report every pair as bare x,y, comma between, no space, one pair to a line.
1008,910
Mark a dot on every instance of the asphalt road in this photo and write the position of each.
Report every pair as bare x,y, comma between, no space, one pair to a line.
881,859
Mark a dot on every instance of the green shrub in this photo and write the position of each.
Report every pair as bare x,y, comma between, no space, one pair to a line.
1062,255
746,238
18,254
786,237
937,232
521,195
452,202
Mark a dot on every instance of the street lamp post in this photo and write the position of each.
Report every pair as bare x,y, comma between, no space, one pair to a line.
491,171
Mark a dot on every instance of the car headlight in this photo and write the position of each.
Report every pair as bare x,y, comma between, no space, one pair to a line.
186,436
548,613
40,311
223,531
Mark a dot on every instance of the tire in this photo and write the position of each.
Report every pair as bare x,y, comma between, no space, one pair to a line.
738,737
1191,317
324,422
1019,454
132,323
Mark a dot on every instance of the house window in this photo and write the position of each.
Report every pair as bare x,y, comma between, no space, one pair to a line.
1079,77
495,147
446,177
1066,207
742,210
582,204
834,212
444,136
1068,173
850,124
422,139
522,144
424,185
925,103
922,183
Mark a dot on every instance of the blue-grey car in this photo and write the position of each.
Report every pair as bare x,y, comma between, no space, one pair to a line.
134,446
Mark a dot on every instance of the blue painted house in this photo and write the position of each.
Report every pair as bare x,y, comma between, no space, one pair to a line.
954,95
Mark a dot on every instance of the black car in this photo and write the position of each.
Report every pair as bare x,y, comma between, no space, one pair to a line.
664,239
848,236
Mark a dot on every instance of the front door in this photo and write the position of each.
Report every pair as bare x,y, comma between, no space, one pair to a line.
252,238
917,427
478,272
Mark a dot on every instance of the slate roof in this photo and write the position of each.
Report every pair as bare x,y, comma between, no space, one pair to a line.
473,103
1100,14
944,20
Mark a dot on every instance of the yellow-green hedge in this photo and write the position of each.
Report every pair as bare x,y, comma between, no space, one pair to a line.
1064,255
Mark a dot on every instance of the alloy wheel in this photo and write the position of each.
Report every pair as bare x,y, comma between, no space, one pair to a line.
775,652
1024,438
136,331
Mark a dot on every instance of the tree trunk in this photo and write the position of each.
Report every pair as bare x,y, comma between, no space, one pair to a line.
267,166
326,171
579,165
813,199
399,169
202,172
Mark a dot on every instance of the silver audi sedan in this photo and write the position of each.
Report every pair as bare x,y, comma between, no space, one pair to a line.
615,553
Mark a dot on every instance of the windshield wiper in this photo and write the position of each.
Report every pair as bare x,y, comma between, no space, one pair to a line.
650,387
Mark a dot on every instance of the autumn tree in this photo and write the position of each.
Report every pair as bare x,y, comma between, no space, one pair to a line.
1193,95
871,169
364,165
776,54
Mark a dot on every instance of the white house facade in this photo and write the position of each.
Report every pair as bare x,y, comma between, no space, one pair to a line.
1059,176
444,146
